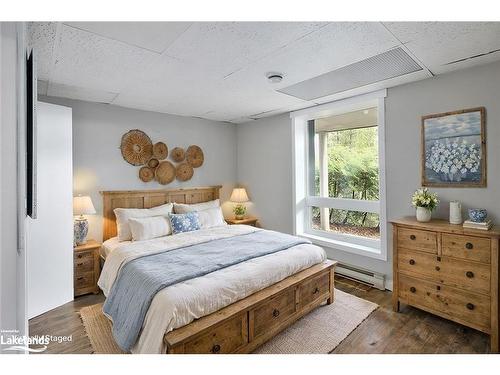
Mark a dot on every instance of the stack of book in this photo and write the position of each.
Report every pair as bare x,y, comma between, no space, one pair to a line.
473,225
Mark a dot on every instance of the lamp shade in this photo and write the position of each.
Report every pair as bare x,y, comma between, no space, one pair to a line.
239,195
82,205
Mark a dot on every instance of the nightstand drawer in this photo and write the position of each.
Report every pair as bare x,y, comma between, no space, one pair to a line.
85,280
83,255
84,265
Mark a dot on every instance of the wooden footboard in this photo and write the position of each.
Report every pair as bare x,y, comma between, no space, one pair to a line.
250,322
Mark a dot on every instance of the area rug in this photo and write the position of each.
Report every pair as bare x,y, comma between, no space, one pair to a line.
319,332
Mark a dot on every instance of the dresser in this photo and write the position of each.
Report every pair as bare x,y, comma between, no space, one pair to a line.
448,271
86,268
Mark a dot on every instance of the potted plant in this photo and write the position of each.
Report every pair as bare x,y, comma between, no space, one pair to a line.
425,202
239,211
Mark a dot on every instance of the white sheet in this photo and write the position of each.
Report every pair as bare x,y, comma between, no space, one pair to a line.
180,304
109,245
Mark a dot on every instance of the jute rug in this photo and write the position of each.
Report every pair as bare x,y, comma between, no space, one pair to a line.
319,332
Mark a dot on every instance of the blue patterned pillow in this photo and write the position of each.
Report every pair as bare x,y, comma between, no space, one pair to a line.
184,222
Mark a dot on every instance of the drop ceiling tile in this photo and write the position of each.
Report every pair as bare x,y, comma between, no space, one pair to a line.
154,36
85,59
328,49
437,43
80,93
221,48
41,37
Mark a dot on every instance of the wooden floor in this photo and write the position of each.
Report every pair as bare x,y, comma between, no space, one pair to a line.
384,331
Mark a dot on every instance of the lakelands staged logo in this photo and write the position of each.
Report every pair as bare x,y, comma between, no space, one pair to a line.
10,340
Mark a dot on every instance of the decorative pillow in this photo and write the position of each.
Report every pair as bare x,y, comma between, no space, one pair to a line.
212,217
124,214
146,228
187,222
180,208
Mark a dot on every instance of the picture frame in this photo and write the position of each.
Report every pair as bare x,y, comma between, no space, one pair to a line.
453,149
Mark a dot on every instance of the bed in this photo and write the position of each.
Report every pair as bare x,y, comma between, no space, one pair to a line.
232,310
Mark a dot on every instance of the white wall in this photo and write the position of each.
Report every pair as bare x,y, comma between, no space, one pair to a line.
49,239
9,318
264,153
98,164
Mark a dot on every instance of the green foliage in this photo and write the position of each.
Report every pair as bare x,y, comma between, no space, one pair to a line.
352,173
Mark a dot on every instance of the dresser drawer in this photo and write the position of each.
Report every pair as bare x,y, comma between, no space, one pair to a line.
275,311
83,255
222,339
83,265
453,272
466,247
417,239
84,280
317,288
452,303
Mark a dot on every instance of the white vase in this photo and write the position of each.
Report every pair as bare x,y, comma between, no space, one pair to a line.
423,214
455,212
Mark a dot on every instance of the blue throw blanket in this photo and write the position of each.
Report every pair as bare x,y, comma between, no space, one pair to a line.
140,279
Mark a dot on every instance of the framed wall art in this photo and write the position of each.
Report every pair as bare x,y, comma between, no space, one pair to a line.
454,149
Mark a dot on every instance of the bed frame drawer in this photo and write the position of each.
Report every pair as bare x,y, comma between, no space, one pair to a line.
272,313
222,339
313,290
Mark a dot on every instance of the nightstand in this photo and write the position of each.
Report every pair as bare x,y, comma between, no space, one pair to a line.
248,221
86,268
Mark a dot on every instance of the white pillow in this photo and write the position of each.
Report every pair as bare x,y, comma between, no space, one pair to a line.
180,208
212,217
146,228
124,214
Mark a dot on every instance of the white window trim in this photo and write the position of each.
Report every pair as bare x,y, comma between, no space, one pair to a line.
301,201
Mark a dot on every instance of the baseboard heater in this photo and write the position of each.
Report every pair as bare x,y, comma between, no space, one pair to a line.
375,279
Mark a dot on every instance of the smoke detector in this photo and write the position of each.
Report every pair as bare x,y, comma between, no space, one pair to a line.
274,77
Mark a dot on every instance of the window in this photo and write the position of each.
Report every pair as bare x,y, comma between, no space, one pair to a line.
339,185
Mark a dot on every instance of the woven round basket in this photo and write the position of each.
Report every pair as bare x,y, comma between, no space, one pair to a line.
146,174
160,150
165,172
177,154
136,147
153,163
194,156
184,172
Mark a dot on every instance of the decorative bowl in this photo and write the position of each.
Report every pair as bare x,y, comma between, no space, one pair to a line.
478,215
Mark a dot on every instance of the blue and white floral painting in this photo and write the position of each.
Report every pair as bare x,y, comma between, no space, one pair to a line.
453,149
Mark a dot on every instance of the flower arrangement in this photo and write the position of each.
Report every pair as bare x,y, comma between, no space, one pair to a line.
425,199
239,210
453,160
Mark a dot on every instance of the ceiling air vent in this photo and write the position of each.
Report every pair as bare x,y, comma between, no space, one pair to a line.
390,64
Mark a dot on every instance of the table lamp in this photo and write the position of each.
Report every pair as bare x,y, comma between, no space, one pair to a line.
239,196
82,205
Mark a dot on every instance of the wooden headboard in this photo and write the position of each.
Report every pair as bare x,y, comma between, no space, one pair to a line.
148,199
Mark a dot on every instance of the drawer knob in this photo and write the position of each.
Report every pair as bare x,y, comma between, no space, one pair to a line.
469,246
80,278
79,256
469,274
438,268
216,348
413,237
470,306
316,291
412,289
276,313
412,262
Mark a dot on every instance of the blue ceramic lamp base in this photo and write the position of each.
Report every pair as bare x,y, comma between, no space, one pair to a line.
80,231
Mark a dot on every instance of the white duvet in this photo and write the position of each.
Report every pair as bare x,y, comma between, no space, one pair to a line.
180,304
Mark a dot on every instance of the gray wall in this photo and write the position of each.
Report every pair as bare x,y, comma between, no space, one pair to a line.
264,153
98,163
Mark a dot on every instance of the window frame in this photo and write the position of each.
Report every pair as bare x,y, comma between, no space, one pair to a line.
302,201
